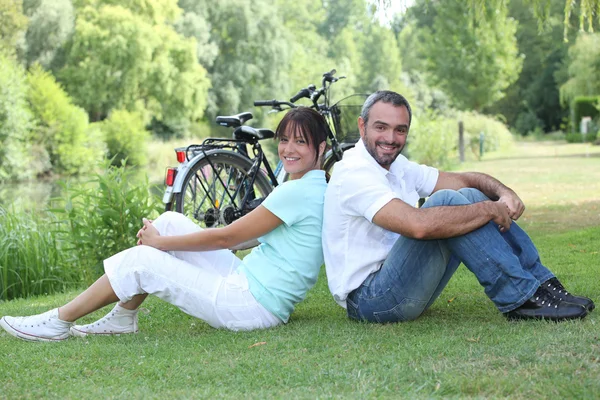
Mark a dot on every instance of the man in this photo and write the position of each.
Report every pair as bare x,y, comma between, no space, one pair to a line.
387,261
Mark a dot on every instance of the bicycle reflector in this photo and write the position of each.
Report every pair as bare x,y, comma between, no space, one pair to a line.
170,178
180,155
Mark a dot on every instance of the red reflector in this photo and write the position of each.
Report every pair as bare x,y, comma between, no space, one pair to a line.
180,156
170,178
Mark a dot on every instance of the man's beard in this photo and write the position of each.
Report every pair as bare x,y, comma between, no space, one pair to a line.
384,160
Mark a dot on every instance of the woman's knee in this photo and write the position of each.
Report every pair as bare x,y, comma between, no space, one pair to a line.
173,219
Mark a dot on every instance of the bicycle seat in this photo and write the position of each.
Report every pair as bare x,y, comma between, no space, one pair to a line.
234,121
251,134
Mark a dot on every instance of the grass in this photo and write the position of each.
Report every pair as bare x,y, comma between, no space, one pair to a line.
461,348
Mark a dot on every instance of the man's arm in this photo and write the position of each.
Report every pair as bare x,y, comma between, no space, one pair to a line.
488,185
440,222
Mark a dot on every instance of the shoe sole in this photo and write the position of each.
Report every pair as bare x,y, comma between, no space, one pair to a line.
525,318
26,336
79,333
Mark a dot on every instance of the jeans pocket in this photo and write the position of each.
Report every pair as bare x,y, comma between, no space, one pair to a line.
407,310
352,310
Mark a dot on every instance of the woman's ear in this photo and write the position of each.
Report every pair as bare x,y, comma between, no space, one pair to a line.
322,147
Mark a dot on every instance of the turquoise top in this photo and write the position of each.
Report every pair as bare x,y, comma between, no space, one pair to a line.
286,264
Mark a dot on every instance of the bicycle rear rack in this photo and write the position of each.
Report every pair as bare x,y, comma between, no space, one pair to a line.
211,144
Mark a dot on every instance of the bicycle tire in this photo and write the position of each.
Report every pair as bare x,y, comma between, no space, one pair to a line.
331,160
210,195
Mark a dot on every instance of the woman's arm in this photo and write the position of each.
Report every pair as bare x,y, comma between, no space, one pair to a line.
251,226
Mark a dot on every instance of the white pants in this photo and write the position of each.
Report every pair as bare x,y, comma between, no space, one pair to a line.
204,284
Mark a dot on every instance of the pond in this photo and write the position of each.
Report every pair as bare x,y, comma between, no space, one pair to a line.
35,196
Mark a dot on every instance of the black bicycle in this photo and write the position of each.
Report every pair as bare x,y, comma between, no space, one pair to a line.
219,181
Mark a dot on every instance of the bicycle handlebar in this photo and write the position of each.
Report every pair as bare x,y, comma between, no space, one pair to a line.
274,103
302,93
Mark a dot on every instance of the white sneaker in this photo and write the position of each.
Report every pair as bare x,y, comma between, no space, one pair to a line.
46,327
119,321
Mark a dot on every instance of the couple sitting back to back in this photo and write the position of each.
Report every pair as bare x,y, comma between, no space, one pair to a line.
386,260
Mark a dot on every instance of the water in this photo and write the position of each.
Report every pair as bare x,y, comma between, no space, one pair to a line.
29,196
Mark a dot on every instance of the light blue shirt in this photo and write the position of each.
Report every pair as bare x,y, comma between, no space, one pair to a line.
286,264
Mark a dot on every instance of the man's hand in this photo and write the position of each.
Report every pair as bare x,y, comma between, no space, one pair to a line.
148,234
514,204
501,215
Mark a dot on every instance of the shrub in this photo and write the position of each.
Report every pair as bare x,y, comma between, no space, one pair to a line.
125,138
31,262
62,127
496,134
15,124
583,106
434,139
102,216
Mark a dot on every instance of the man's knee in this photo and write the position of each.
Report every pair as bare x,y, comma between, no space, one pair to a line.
473,195
446,197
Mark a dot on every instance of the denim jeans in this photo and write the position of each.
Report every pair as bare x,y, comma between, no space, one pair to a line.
506,264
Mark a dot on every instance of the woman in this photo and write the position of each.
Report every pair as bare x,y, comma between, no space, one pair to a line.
192,268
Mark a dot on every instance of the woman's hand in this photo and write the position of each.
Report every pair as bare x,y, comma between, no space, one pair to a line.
148,235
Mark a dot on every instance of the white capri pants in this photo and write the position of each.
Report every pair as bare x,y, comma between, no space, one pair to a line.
204,284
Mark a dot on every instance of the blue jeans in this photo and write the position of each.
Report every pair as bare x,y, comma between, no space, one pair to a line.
506,264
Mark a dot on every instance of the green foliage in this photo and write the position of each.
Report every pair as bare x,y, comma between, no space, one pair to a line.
121,59
31,261
102,217
125,138
473,62
584,68
61,127
18,158
533,102
584,106
587,9
51,22
434,138
12,22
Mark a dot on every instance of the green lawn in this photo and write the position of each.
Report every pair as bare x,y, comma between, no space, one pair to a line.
461,348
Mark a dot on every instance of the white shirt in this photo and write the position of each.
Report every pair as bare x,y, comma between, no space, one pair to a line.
353,246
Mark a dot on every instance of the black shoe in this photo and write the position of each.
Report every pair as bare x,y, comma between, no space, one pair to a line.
558,291
543,306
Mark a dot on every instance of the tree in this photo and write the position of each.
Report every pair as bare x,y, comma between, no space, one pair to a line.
532,102
253,53
475,63
584,68
61,127
18,158
51,23
133,59
12,23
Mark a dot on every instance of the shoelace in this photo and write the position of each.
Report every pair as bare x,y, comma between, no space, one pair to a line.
546,298
557,285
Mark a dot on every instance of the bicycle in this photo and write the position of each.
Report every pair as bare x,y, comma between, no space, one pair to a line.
219,181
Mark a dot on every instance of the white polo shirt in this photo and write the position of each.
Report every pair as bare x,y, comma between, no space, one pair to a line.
359,187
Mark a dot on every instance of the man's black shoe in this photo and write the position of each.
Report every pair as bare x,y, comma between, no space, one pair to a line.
543,306
558,291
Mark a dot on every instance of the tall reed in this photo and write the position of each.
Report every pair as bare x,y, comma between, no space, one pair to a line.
31,262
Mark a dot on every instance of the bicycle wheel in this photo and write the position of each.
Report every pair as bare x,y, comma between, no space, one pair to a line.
331,160
217,190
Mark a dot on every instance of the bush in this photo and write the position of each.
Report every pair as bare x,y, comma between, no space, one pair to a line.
125,138
583,106
62,127
102,216
434,139
15,124
496,134
31,262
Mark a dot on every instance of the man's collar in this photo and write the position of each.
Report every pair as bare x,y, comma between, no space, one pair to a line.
396,168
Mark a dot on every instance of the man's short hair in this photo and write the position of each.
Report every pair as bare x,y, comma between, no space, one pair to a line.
385,96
